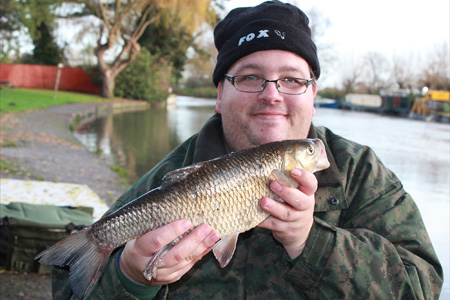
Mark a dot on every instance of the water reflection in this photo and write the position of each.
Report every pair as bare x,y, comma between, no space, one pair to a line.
189,116
138,140
418,152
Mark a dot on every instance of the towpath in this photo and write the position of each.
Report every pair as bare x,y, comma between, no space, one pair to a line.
39,145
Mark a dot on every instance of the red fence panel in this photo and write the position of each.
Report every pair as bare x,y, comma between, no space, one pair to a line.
44,77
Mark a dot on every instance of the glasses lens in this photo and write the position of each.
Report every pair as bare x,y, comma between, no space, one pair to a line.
249,83
292,85
253,84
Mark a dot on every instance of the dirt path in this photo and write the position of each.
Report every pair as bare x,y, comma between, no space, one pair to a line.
42,147
39,145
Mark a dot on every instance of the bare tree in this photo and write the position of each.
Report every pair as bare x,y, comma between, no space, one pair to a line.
403,71
435,73
351,70
201,65
377,71
122,23
319,25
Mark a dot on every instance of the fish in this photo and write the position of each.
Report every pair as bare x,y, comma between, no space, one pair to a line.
223,192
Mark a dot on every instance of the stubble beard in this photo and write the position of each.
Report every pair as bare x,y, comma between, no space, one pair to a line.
242,136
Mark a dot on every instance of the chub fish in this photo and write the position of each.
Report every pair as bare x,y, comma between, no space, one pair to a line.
223,193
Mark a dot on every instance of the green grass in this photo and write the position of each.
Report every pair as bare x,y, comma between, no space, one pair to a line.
6,167
19,99
122,172
10,167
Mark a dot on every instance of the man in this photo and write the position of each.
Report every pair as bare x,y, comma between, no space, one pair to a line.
348,232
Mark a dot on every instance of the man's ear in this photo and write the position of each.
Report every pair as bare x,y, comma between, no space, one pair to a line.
219,97
314,90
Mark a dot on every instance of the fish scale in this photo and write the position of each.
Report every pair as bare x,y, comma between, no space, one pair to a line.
223,193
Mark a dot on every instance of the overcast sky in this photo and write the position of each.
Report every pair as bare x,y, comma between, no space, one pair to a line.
389,26
392,27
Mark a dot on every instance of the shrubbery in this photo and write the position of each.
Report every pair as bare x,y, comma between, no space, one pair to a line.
145,78
200,92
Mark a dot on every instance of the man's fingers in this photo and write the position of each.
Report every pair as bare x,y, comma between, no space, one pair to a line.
154,240
180,259
307,180
280,211
192,247
297,198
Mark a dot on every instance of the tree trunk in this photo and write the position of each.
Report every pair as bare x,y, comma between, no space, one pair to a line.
109,80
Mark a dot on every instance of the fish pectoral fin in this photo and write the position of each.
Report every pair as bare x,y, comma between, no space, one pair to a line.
179,174
224,249
153,264
276,174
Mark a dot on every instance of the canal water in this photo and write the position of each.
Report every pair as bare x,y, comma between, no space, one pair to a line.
417,151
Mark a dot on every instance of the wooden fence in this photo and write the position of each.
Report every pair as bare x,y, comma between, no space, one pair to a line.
44,77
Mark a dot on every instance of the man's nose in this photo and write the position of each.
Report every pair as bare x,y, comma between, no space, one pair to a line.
270,94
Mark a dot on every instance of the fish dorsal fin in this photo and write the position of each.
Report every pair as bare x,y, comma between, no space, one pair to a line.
224,249
179,174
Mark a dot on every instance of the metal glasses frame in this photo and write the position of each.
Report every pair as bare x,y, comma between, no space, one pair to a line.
231,79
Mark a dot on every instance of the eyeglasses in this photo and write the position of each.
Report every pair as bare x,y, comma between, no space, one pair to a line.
255,84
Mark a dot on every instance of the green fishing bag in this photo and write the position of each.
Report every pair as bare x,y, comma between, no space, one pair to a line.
27,229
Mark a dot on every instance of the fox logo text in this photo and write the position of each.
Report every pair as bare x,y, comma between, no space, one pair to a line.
262,34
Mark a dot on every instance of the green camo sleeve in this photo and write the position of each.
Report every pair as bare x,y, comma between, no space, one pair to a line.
142,292
380,250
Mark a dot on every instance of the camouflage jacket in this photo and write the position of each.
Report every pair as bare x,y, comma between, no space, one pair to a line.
368,240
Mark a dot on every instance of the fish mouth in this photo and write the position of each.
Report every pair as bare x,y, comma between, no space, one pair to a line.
323,163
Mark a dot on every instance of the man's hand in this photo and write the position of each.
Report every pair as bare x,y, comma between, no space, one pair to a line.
291,221
177,261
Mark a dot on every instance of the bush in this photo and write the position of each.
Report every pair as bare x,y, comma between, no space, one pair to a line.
202,92
144,79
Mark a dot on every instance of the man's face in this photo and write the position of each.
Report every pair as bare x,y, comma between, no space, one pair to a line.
251,119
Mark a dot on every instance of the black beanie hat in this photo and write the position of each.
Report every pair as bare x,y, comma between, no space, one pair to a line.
272,25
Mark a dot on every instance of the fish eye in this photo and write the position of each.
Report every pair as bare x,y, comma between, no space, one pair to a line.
310,150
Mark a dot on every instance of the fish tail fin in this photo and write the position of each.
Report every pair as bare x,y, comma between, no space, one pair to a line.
84,257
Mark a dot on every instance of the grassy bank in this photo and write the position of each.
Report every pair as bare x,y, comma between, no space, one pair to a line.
19,99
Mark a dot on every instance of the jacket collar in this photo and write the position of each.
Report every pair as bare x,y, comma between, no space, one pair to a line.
330,194
210,142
